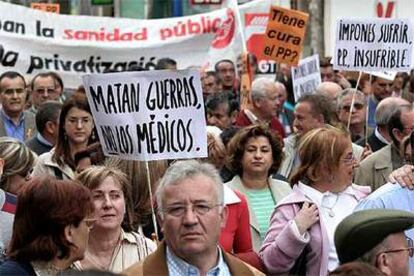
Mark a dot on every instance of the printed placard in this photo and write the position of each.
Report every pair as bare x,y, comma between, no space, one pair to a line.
306,77
77,45
373,45
150,115
285,33
385,75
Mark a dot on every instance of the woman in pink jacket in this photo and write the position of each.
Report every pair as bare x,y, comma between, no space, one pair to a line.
300,236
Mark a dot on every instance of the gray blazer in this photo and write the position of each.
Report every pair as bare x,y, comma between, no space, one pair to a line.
374,170
29,126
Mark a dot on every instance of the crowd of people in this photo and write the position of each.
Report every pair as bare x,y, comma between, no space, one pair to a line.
317,186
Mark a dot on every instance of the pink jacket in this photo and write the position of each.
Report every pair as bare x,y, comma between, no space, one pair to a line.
281,247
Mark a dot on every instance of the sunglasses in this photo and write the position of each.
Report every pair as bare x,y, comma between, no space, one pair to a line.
357,106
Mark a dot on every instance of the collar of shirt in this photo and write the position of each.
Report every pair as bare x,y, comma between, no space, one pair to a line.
9,120
380,137
43,139
373,100
230,197
253,118
33,109
317,197
177,266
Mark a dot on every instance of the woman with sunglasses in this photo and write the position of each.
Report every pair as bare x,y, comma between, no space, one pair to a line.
113,244
51,228
300,236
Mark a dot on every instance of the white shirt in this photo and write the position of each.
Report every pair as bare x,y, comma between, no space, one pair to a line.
380,137
333,208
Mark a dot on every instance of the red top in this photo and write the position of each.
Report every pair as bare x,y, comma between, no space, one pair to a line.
235,237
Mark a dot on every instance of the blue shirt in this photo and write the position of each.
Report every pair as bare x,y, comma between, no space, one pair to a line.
12,129
372,106
178,267
391,196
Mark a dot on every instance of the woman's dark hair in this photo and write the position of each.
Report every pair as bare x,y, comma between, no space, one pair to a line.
237,144
92,151
62,151
45,207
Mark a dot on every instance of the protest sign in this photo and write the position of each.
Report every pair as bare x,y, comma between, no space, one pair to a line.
285,33
149,115
385,75
72,46
306,77
373,45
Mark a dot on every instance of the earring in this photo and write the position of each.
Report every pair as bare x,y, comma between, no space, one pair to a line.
65,136
93,138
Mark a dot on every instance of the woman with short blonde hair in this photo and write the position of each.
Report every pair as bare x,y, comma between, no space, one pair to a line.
112,246
18,164
304,223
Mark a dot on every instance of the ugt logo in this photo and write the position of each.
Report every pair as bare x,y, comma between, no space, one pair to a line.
386,9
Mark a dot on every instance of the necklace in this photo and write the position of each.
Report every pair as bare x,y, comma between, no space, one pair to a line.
97,263
331,212
45,268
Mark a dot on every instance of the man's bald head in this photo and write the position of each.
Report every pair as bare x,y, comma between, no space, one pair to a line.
386,108
329,89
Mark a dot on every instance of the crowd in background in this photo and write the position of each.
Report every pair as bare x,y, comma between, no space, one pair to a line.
287,175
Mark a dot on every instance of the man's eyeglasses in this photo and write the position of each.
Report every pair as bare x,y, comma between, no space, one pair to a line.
42,91
179,210
349,159
409,248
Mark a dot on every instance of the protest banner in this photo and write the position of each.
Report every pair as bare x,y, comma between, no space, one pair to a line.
306,77
385,75
373,45
72,46
285,33
360,9
149,115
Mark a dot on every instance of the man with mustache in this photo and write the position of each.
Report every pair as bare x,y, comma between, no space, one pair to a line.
190,200
14,121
